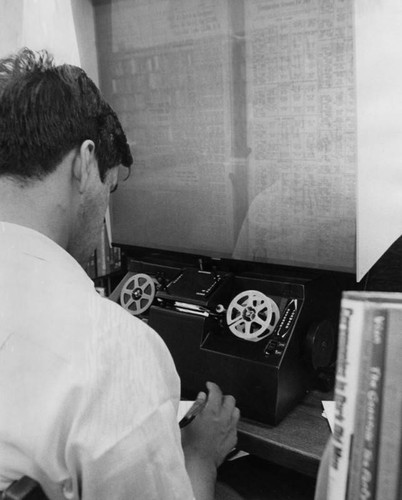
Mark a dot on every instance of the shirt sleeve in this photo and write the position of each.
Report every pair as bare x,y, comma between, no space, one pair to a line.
125,441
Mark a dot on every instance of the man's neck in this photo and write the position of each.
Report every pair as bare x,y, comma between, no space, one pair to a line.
36,205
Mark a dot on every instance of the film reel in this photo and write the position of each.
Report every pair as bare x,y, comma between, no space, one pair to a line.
252,316
138,293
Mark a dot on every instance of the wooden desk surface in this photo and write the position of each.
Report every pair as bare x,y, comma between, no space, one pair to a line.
297,442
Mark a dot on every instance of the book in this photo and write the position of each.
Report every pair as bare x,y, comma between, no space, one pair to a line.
347,370
106,259
363,466
366,441
101,253
90,268
390,450
399,492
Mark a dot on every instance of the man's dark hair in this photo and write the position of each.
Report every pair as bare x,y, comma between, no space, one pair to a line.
48,110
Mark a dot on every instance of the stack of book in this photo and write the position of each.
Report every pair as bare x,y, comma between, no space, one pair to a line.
366,460
106,259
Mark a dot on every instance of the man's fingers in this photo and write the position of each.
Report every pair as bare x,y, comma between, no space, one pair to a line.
228,402
201,397
236,415
226,405
214,396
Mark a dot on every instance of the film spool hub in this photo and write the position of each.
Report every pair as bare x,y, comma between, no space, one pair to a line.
138,293
252,315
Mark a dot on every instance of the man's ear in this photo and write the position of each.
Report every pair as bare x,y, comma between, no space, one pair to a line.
84,162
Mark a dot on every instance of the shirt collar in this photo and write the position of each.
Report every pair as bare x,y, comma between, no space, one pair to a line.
31,242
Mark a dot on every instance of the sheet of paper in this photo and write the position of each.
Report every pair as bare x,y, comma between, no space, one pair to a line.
378,41
184,406
329,412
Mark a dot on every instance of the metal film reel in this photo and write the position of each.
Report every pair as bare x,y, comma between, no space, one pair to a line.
251,315
138,293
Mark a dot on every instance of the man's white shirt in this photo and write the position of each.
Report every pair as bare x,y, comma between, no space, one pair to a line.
88,393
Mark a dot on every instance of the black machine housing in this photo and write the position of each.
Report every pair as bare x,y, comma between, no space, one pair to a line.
268,377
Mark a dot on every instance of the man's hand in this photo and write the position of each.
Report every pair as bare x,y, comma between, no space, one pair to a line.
209,438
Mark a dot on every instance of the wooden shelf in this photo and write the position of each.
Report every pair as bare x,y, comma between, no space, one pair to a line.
298,441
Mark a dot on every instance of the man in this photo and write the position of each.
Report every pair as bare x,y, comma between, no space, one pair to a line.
88,394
